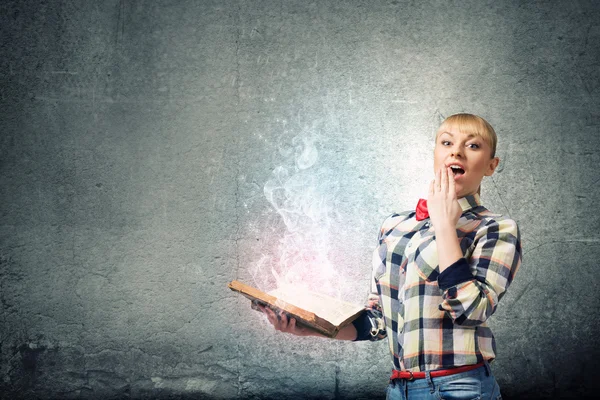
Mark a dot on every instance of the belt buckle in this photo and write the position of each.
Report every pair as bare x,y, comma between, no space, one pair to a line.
412,377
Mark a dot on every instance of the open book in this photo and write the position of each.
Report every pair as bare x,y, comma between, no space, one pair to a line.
323,313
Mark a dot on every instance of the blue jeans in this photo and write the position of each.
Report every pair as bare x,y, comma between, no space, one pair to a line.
471,385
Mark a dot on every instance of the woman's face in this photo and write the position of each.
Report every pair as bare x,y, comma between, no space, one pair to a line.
470,155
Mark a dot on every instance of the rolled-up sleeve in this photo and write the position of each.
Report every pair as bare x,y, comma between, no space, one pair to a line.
371,324
472,287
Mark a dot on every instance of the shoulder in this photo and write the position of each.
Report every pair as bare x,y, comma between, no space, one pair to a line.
497,224
498,240
391,221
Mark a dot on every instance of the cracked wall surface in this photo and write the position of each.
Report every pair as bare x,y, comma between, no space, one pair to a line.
136,140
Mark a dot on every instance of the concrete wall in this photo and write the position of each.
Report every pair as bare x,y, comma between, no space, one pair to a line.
137,139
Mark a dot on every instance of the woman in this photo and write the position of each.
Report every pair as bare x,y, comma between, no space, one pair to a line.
439,272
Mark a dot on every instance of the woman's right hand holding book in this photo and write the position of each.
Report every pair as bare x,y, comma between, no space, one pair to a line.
282,323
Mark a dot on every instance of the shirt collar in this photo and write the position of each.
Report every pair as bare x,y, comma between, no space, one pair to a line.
470,201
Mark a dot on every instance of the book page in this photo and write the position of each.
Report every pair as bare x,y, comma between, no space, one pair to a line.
333,310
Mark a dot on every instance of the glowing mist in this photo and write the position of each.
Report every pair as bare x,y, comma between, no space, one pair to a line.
304,195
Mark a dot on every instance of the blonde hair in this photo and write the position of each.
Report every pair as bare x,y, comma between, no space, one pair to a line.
471,124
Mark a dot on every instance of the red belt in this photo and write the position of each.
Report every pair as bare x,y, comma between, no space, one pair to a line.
434,374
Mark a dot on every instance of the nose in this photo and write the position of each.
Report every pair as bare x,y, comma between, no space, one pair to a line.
457,151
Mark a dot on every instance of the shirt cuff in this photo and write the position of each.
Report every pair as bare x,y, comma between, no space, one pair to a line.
363,327
455,274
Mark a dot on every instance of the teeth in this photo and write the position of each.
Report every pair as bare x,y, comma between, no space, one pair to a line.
455,167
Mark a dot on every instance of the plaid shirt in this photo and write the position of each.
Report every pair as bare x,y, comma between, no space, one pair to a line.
438,320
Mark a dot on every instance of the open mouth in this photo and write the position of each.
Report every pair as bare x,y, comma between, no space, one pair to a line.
457,171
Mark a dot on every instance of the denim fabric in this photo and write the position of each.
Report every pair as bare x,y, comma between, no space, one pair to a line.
471,385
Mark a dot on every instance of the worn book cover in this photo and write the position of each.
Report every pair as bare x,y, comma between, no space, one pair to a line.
323,313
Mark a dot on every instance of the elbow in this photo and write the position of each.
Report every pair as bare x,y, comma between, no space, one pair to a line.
474,319
476,313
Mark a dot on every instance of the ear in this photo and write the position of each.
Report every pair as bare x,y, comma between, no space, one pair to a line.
492,166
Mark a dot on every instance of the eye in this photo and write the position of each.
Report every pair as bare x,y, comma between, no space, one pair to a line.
476,146
444,142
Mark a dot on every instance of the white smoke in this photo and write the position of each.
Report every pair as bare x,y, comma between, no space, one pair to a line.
304,196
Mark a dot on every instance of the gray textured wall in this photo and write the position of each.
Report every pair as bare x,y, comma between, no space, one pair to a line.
137,138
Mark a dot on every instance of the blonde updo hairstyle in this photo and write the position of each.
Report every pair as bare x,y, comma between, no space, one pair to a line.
471,124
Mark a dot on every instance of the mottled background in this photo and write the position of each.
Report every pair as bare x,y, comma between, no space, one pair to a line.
137,139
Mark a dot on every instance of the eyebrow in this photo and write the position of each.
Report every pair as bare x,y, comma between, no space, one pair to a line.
468,137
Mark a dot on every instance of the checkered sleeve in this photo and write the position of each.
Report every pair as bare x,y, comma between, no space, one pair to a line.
473,287
371,324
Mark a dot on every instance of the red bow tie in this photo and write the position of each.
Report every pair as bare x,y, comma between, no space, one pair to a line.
422,212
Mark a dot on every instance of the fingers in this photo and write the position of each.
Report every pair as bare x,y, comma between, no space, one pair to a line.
270,315
279,321
436,184
284,321
444,180
451,183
